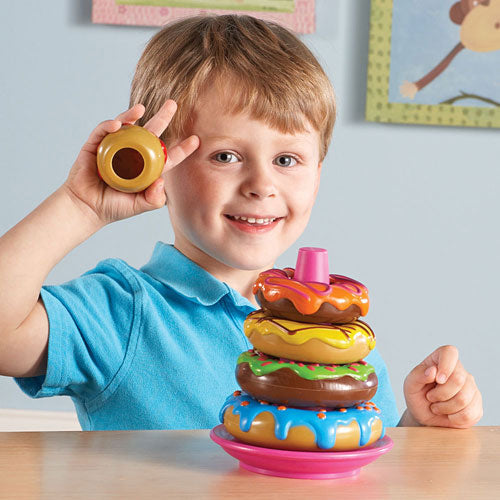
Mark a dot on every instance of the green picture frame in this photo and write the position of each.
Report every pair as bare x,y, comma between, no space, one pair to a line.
246,5
460,108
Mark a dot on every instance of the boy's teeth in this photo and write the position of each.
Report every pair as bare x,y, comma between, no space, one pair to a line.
252,220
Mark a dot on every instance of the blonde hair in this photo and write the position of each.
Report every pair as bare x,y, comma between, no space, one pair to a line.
271,74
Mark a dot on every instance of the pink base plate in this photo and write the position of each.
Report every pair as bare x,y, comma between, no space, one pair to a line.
299,464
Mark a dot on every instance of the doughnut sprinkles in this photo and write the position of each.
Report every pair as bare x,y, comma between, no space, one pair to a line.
322,343
277,426
305,385
261,364
341,301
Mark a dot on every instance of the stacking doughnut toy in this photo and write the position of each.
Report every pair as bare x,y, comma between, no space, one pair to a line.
277,426
323,343
302,385
131,159
342,300
305,384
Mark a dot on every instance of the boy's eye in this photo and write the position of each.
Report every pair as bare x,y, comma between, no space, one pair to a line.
286,161
226,157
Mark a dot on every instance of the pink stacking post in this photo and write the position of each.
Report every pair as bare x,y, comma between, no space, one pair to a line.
312,265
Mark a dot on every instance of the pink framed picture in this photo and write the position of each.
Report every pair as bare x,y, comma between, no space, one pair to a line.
296,15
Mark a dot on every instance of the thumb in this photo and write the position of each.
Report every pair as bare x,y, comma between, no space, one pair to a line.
422,375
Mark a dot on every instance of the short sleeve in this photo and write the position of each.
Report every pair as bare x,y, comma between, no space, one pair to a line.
91,320
384,398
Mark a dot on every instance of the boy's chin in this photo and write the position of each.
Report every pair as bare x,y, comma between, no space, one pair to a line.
252,261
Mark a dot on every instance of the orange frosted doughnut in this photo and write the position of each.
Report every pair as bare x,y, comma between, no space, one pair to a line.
341,301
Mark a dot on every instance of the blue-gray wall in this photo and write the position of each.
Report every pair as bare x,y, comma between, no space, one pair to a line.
411,211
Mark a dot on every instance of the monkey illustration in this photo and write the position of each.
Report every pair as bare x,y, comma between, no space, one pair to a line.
479,22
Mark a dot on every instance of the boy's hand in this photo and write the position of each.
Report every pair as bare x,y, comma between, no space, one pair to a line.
439,392
86,188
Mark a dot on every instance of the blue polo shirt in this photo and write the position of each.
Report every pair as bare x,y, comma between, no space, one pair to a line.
151,348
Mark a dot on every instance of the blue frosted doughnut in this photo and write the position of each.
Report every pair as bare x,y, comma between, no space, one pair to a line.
323,423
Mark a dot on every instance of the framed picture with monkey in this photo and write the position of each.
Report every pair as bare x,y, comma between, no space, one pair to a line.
434,62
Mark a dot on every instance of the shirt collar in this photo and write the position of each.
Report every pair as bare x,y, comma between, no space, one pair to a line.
175,270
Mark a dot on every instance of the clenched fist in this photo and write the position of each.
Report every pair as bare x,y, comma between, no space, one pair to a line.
440,392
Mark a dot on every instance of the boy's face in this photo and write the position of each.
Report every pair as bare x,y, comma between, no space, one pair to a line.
242,168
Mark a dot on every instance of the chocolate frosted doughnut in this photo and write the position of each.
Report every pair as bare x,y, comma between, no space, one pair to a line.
343,300
305,385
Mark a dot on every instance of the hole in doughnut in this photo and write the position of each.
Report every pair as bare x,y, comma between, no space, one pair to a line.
127,163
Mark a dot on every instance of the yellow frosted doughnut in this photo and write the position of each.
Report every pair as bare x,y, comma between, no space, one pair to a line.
314,343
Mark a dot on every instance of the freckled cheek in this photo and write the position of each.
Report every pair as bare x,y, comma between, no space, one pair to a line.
300,198
195,192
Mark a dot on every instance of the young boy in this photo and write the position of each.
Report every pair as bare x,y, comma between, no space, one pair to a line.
155,348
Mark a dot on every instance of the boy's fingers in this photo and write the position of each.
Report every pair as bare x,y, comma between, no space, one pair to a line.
132,114
159,122
437,367
181,151
454,384
418,378
98,134
469,415
154,195
458,401
446,358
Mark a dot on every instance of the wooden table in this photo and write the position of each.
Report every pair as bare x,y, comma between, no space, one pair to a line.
424,463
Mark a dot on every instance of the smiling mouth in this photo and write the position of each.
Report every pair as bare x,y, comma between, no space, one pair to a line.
264,221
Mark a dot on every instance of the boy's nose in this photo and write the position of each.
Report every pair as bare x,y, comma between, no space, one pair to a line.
259,182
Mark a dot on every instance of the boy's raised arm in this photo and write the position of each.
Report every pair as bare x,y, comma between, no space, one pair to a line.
27,254
78,209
